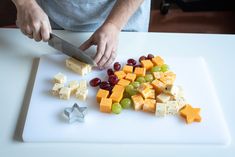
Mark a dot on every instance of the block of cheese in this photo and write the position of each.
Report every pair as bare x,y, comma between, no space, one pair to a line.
139,71
172,107
123,82
147,64
118,88
181,102
167,80
83,84
151,94
120,74
158,86
81,94
56,88
158,75
130,76
128,69
171,90
158,61
162,98
138,101
116,96
73,85
149,105
77,66
65,93
160,109
101,94
144,90
106,105
59,78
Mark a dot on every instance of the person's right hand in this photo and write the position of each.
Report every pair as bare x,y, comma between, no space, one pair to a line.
32,20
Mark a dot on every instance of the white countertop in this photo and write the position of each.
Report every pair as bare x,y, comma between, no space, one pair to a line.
17,66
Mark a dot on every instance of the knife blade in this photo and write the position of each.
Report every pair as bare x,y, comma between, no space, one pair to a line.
69,49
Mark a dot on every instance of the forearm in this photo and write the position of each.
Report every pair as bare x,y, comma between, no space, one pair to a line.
21,2
122,11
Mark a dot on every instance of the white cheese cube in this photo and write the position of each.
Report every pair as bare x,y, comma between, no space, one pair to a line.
172,107
56,88
83,84
162,98
60,78
73,85
160,109
65,93
77,66
181,102
81,94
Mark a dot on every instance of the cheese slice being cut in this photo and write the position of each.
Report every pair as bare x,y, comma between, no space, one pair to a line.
78,67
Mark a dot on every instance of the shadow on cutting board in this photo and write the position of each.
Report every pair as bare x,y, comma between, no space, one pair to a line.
24,108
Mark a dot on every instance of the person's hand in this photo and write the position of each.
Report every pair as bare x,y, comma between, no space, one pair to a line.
106,39
32,20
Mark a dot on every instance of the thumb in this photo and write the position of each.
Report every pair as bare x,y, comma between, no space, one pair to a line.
86,45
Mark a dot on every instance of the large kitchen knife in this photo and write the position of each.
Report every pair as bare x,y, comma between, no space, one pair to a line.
69,49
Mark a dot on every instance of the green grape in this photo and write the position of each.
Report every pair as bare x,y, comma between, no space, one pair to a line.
126,103
126,95
164,68
135,84
133,92
149,77
129,88
116,108
140,79
156,69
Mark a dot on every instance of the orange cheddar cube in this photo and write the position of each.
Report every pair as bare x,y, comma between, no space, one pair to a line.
123,82
101,94
158,75
116,96
130,76
140,71
118,88
147,64
138,101
127,69
148,85
106,105
120,74
158,86
149,105
144,90
158,61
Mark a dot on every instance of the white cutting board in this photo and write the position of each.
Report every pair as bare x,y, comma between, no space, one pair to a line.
45,121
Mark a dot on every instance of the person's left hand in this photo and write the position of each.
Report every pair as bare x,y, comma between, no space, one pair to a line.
106,39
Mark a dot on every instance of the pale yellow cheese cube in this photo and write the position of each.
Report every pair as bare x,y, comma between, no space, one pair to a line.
73,85
81,94
162,98
172,107
65,93
56,88
83,84
160,109
77,66
59,78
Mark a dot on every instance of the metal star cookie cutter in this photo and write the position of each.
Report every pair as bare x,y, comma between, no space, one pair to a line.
75,113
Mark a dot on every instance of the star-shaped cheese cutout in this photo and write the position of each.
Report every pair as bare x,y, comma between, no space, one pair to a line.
75,113
190,114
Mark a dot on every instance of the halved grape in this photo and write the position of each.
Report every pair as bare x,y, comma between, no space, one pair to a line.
135,84
164,68
95,82
113,79
149,77
131,61
133,92
140,79
156,69
126,103
150,56
110,72
129,88
142,58
117,66
116,108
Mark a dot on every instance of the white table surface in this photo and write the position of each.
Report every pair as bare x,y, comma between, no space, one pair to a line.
17,66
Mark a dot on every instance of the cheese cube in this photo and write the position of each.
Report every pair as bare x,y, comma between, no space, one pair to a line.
131,77
127,69
158,75
106,105
151,94
147,64
171,90
167,80
140,71
116,96
144,90
101,94
77,66
162,98
138,101
158,61
181,102
147,84
65,93
123,82
120,74
149,105
81,94
172,107
160,109
158,86
60,78
118,88
73,85
83,84
56,88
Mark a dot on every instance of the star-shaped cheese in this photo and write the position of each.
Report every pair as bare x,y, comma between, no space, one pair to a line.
190,114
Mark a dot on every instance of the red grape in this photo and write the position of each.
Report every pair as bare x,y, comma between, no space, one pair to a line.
105,85
131,61
150,56
130,64
95,82
142,58
110,72
117,66
113,79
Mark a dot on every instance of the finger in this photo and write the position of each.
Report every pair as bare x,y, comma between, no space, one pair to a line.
106,56
86,44
100,51
30,36
111,59
29,31
36,31
45,34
